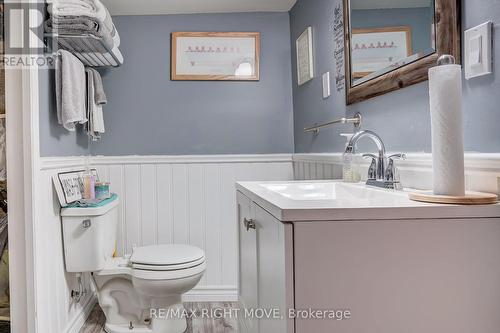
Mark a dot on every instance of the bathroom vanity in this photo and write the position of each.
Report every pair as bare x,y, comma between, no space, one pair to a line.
389,264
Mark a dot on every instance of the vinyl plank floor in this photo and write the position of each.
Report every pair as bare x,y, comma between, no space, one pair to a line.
207,318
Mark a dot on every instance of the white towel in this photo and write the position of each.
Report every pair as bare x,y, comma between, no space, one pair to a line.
116,37
70,90
89,8
94,111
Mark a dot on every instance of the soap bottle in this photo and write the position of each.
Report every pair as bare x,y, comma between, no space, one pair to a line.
350,163
347,161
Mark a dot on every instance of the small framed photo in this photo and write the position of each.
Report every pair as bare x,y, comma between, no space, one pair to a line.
69,185
215,56
305,61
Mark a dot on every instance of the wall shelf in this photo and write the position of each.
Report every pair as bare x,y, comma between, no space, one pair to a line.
91,50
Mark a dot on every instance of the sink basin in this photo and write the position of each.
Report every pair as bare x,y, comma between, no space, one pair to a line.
334,200
329,191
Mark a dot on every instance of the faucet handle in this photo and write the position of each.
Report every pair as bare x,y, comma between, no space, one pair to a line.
372,170
392,172
400,156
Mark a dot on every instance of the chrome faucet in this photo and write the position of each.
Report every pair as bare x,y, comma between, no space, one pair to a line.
378,175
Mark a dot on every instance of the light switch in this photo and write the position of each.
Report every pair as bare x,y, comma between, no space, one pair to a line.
326,85
478,56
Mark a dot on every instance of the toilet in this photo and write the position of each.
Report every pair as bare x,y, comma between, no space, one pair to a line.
140,292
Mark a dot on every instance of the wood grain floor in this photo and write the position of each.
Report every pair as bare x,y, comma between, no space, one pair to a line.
196,324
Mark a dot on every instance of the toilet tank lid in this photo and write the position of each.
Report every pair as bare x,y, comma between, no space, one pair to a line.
91,211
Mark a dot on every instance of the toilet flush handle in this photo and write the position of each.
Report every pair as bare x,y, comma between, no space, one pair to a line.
86,224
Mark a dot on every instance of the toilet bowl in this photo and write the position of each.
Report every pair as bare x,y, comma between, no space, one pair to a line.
138,293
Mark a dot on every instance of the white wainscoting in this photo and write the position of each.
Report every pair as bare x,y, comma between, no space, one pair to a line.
186,200
482,171
56,312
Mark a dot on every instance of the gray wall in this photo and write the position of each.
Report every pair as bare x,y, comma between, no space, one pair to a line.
418,19
402,117
149,114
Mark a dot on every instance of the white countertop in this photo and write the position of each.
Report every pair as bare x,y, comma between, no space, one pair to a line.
300,201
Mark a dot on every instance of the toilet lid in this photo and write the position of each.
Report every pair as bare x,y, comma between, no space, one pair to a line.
171,254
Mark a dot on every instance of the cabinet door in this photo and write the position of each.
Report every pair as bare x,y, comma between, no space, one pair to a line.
248,287
271,268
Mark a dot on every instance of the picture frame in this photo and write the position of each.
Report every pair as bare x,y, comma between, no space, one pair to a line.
374,49
305,60
215,56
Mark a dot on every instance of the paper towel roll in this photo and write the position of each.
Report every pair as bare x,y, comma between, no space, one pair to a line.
445,90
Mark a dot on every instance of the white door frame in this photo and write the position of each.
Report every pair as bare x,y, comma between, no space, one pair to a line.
23,156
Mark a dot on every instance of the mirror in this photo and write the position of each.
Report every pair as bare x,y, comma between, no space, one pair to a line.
391,44
387,34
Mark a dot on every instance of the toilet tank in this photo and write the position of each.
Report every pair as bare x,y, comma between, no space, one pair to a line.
89,236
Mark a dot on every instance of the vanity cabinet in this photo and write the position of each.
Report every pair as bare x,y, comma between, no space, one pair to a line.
265,274
438,271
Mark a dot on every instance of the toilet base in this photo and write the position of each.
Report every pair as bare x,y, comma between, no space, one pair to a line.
173,326
126,329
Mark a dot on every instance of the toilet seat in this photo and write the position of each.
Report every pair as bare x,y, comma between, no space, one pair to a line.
158,262
169,267
166,255
167,262
168,275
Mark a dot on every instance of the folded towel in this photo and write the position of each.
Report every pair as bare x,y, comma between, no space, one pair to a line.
90,8
95,126
70,90
80,25
116,37
99,95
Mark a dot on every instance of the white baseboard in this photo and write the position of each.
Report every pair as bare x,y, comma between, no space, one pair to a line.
212,294
78,322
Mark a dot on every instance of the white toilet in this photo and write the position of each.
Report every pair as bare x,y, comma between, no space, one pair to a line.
140,292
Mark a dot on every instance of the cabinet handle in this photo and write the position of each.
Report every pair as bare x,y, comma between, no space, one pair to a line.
249,223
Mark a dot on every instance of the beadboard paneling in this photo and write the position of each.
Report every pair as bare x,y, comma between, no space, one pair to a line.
482,171
188,200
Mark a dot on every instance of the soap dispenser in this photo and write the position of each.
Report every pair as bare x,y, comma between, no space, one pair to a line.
350,167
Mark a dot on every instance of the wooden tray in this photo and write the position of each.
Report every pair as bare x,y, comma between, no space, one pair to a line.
470,198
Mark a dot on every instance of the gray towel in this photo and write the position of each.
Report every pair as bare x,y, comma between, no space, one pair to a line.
78,25
70,90
99,95
95,125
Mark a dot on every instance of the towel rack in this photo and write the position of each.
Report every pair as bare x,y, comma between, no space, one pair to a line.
91,50
356,120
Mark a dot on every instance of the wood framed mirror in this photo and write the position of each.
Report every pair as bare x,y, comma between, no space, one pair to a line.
391,44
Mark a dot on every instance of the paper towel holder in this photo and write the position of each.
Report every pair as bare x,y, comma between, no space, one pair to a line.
446,59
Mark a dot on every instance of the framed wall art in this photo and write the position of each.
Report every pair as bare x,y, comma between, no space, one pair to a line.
305,61
377,48
215,56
